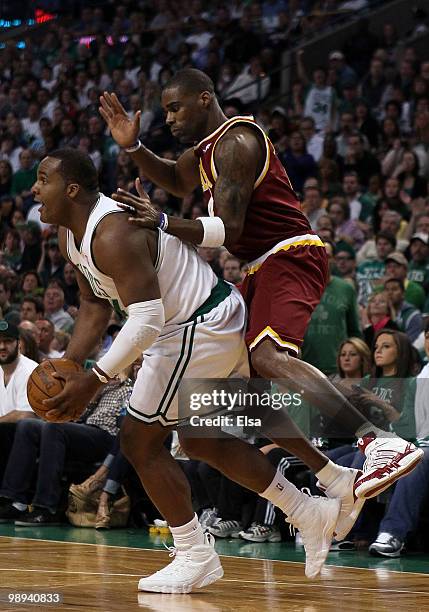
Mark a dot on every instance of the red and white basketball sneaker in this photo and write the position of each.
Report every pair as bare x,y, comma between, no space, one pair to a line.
387,459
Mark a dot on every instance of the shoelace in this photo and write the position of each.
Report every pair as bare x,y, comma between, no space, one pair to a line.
377,458
292,528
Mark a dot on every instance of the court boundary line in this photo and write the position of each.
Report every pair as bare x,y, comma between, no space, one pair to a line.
371,569
240,580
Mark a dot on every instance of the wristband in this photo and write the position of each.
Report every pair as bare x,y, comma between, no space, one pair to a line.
163,222
135,147
214,231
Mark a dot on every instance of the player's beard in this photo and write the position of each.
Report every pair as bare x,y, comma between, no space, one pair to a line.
11,357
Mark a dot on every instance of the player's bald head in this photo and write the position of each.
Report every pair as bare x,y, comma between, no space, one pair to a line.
190,81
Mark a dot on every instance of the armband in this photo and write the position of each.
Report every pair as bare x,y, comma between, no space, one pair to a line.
214,231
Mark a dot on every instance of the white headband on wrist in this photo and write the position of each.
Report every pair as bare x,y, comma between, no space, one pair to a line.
214,231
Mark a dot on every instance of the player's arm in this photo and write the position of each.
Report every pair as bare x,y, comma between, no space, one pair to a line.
238,158
132,270
93,316
179,177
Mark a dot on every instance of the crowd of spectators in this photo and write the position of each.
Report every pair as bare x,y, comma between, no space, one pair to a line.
353,136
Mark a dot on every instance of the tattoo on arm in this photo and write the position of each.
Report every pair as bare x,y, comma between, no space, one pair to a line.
237,158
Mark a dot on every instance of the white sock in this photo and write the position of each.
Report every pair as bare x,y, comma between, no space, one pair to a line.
329,473
283,494
369,428
188,535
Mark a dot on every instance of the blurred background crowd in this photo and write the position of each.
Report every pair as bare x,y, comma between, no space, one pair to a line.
351,128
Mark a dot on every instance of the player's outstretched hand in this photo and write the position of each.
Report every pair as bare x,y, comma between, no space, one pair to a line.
141,209
123,129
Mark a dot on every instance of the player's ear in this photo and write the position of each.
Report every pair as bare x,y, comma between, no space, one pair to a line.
205,99
72,190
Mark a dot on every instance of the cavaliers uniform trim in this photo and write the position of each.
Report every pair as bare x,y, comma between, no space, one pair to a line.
285,245
268,331
226,126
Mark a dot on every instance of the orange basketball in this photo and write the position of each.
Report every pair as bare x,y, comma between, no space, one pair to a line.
42,385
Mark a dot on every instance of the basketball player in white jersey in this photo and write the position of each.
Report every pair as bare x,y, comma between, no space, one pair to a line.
187,324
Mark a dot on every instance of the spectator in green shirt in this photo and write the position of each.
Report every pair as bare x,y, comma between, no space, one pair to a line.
370,272
397,267
335,319
418,268
24,178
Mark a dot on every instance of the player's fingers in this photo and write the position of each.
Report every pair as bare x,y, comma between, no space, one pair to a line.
104,114
136,120
131,200
140,189
106,104
117,105
126,208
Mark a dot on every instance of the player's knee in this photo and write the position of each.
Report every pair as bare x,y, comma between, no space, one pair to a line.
139,442
267,359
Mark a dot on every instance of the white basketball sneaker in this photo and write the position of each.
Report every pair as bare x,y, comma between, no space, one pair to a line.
316,520
351,506
193,568
387,459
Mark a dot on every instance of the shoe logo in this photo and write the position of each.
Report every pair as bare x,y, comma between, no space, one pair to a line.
206,148
280,487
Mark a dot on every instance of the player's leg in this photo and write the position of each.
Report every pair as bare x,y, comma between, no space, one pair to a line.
196,563
315,518
295,282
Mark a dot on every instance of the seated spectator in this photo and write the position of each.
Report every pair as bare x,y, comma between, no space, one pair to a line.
15,370
53,303
313,141
5,177
71,288
300,164
312,205
7,310
25,177
31,309
371,270
329,178
418,267
397,267
379,314
31,284
352,192
402,514
345,263
411,183
28,345
31,237
334,319
407,317
358,160
12,249
346,229
231,270
88,440
51,264
47,334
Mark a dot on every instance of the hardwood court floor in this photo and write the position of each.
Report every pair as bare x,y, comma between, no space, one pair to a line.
99,577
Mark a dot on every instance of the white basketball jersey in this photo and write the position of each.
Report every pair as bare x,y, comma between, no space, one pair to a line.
185,280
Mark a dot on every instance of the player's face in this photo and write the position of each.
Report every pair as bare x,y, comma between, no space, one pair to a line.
49,190
8,350
186,114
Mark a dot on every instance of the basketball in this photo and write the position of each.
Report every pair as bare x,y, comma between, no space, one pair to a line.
42,385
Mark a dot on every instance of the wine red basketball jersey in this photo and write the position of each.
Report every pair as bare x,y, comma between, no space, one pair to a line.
273,213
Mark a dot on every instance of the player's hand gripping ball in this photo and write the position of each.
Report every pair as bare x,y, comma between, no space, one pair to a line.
43,385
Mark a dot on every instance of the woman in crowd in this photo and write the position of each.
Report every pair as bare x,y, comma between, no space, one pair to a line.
376,316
